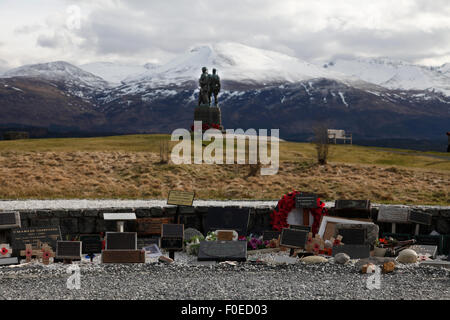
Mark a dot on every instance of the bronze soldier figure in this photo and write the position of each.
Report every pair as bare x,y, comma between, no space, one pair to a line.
214,87
203,82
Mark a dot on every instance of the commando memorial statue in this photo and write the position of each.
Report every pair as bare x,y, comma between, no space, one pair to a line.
209,86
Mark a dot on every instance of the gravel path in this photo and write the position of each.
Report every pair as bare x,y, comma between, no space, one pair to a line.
185,280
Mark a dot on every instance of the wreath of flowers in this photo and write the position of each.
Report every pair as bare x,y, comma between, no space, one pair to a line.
286,204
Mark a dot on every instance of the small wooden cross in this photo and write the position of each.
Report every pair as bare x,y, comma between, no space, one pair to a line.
5,250
318,244
46,254
29,252
309,245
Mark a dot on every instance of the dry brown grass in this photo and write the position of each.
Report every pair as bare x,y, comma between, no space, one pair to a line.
126,174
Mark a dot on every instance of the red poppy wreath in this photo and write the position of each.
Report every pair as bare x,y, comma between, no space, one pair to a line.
286,204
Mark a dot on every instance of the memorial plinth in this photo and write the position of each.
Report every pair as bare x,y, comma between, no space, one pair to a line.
210,117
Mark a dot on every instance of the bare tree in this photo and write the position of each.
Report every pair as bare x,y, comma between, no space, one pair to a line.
321,142
163,151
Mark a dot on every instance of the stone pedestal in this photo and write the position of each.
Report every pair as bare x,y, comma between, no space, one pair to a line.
208,115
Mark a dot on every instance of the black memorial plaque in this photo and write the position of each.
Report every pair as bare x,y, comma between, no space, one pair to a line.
91,243
293,238
172,230
352,204
172,236
9,220
68,250
222,251
420,217
121,241
23,236
425,250
269,235
352,208
431,241
299,227
306,200
228,219
353,236
354,251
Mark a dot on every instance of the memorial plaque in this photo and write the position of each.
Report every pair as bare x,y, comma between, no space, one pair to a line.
120,216
362,205
222,251
180,198
299,227
420,217
9,220
393,214
306,200
22,236
172,236
354,251
9,261
68,250
353,236
172,231
228,219
225,235
425,250
146,242
431,241
270,235
91,243
151,226
293,238
121,241
123,256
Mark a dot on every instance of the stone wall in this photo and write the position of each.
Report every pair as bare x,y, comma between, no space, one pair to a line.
85,221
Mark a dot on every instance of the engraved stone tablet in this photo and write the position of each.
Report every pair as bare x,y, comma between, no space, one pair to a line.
353,236
293,238
120,216
393,214
222,251
68,250
22,236
123,256
425,250
91,243
121,241
228,219
306,200
9,220
420,217
180,198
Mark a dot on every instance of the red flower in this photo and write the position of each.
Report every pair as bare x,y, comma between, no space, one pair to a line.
4,251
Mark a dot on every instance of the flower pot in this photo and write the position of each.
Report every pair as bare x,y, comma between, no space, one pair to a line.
379,252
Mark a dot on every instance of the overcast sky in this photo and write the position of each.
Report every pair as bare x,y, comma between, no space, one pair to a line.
33,31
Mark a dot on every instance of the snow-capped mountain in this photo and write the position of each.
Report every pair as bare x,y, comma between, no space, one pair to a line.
57,71
115,73
372,98
234,62
394,74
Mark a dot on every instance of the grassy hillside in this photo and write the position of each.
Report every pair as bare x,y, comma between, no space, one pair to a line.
128,167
